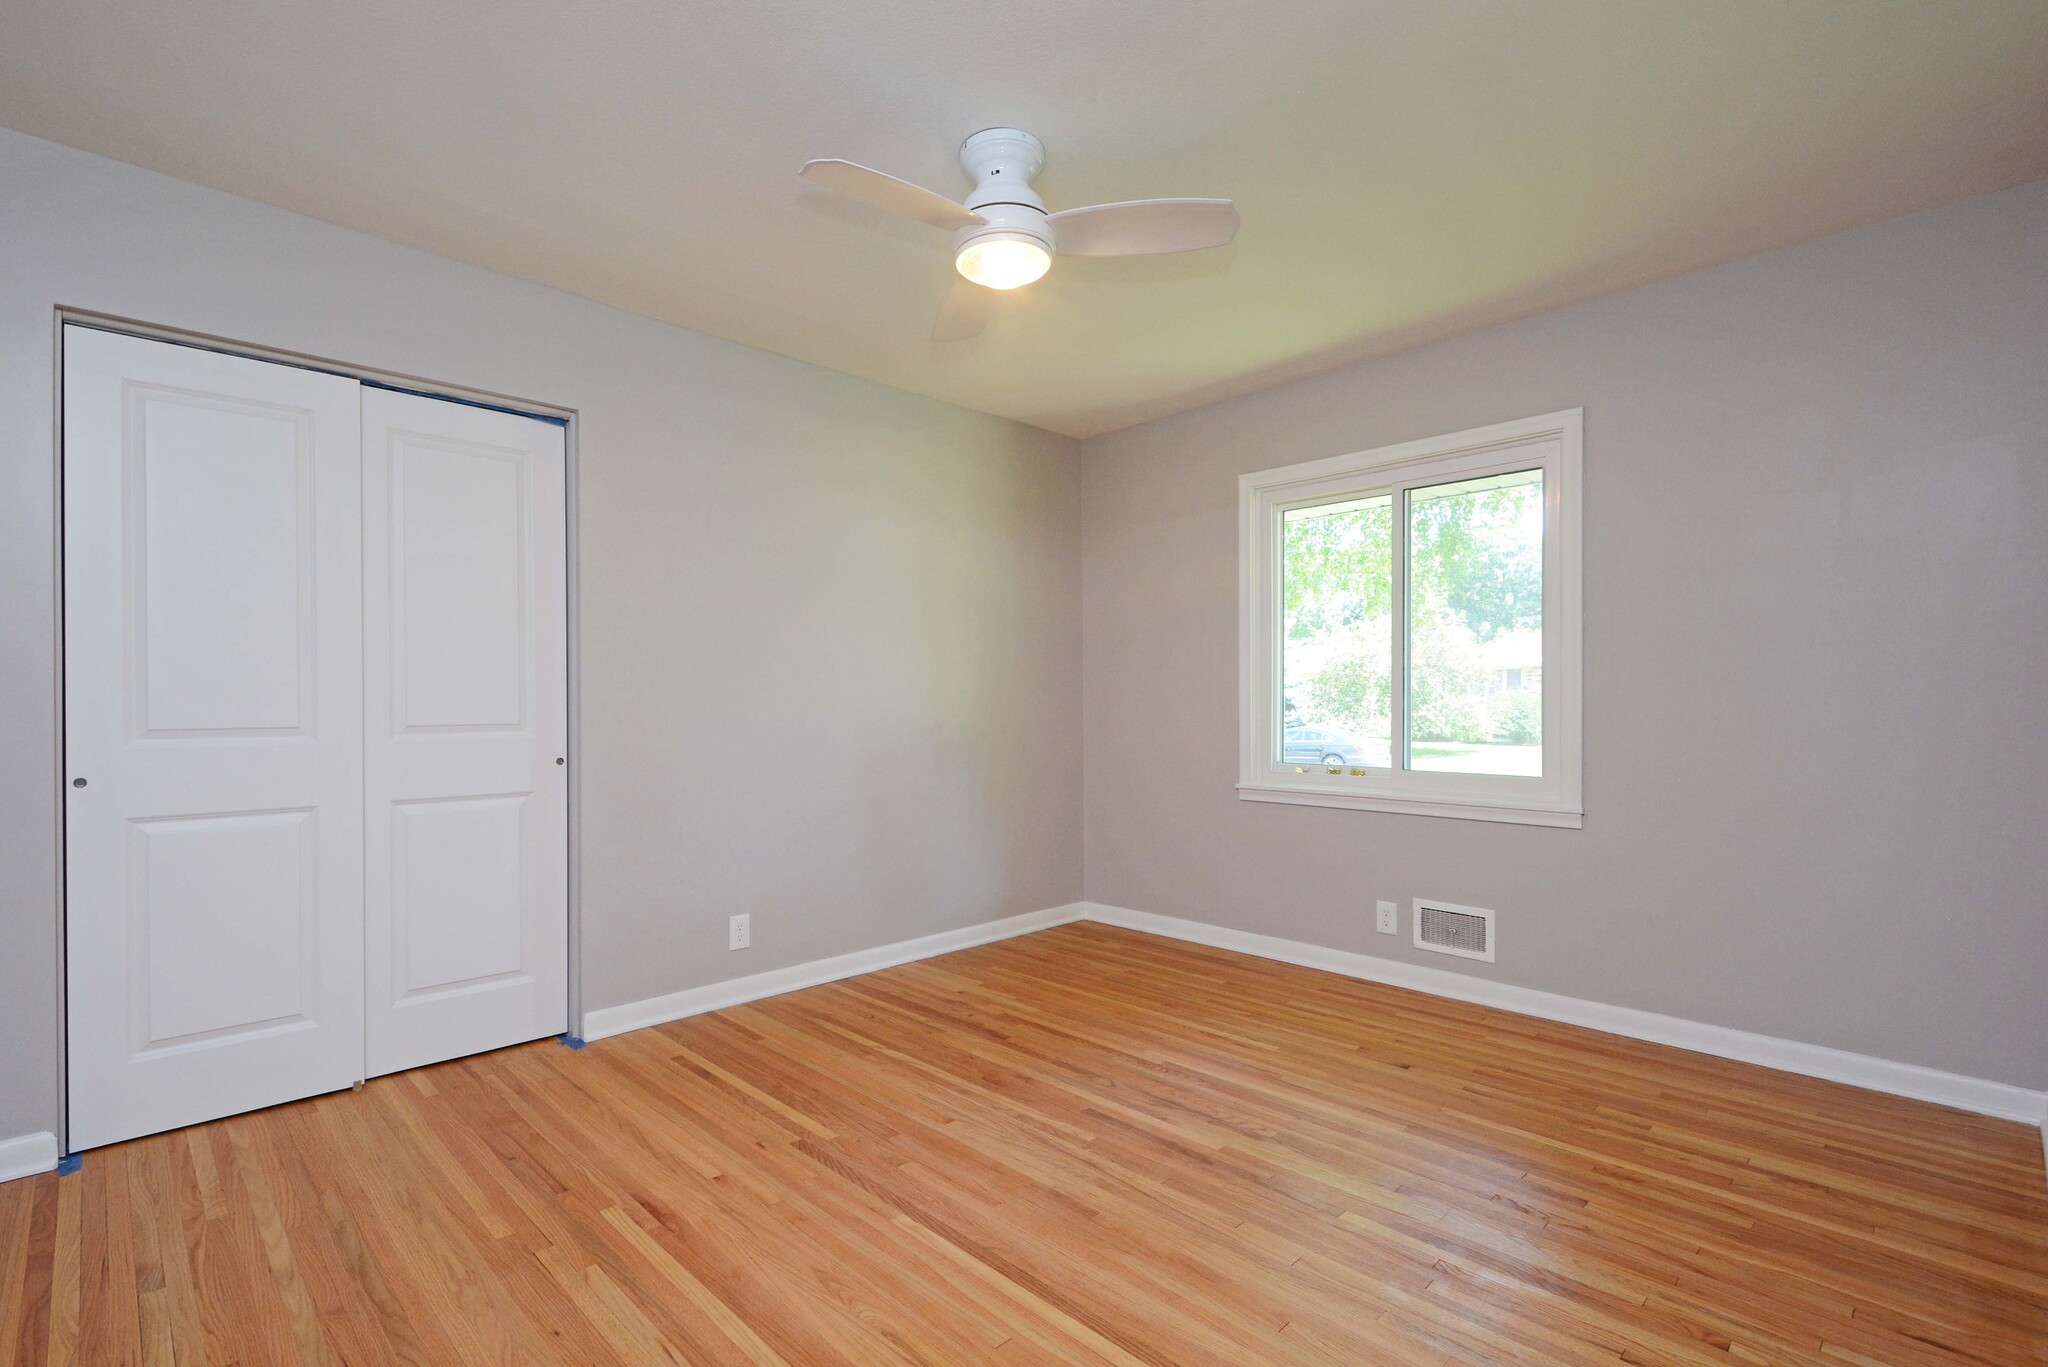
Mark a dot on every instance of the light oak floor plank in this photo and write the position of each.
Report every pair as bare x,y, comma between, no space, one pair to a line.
1082,1146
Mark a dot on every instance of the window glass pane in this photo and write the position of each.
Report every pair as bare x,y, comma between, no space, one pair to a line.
1337,633
1475,625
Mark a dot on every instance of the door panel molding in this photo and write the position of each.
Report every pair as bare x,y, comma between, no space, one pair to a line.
213,876
466,839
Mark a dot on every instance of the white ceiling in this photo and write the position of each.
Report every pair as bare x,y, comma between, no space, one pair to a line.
1406,168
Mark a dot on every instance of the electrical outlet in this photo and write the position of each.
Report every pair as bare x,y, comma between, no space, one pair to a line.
1389,918
739,932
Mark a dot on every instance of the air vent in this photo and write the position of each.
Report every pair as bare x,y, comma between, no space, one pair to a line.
1446,929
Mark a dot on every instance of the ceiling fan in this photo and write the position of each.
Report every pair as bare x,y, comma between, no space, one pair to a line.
1002,235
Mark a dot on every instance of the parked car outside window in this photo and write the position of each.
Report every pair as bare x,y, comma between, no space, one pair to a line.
1322,745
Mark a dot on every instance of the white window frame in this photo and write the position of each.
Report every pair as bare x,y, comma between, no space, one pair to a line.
1553,442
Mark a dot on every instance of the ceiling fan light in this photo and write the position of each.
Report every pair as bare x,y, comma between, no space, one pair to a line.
1003,261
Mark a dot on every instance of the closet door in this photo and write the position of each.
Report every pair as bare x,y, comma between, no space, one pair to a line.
466,723
212,734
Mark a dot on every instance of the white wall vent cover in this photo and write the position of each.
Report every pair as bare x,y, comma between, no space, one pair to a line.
1444,928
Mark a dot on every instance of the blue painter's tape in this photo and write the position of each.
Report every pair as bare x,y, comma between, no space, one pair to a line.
573,1041
70,1163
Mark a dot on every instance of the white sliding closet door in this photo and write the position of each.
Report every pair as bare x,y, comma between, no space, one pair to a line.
213,734
466,722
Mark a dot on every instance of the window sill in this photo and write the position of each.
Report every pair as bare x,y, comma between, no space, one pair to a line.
1567,817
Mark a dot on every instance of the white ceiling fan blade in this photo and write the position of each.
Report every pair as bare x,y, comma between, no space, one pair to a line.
965,312
887,193
1145,227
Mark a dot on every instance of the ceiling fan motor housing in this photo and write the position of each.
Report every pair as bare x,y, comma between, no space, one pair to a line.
1001,163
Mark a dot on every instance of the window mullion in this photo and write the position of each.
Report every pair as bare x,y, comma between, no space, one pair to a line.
1276,567
1398,652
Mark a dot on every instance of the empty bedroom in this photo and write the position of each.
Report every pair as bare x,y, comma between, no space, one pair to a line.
899,683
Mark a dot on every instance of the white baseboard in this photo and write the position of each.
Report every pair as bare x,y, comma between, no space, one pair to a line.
613,1020
1836,1065
26,1155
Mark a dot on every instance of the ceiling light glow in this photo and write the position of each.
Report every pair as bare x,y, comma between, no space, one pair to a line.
1003,261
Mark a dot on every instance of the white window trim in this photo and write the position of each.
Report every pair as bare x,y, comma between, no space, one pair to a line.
1552,800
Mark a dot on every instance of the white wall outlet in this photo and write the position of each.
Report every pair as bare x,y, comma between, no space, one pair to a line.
739,932
1389,918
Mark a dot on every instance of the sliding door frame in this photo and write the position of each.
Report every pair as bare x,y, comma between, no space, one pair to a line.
569,418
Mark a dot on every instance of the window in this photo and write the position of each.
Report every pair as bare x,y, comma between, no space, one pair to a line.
1411,627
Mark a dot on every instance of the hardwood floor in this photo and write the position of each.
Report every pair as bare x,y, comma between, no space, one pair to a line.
1082,1146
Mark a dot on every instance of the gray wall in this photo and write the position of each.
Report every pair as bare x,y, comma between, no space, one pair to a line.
830,632
1816,662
